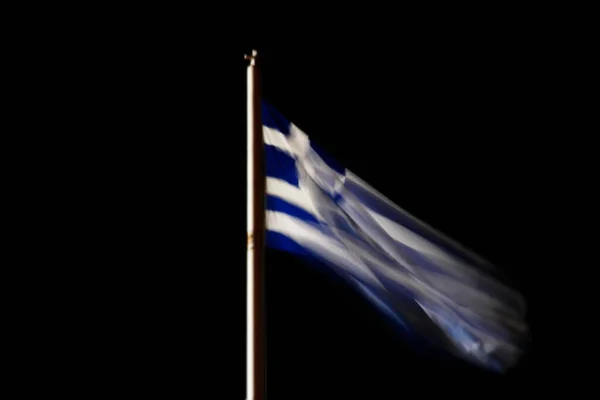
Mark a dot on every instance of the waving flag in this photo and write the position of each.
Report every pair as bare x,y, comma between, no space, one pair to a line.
430,285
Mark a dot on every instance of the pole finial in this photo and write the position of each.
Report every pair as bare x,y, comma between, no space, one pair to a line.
252,57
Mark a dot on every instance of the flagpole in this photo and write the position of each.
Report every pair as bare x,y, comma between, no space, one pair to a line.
255,333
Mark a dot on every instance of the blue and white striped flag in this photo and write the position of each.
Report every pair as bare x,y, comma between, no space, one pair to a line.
426,282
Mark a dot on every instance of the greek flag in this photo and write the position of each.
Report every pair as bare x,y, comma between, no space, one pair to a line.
430,285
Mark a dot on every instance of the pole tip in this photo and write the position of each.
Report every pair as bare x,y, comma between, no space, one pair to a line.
252,57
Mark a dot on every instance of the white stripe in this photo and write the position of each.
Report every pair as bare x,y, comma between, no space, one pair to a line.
290,193
296,144
356,180
277,139
460,279
460,272
320,244
299,141
408,237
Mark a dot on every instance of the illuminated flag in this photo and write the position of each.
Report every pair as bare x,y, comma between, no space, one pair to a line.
429,284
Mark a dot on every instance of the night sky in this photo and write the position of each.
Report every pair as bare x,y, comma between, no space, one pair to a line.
438,116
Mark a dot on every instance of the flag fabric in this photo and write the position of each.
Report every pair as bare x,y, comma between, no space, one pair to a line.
430,285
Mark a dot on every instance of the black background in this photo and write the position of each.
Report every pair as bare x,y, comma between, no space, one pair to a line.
452,105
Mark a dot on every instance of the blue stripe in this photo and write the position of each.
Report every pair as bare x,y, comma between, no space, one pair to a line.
278,204
280,165
279,241
273,119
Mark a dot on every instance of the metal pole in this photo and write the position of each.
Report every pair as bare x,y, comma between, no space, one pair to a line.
256,354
